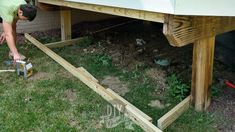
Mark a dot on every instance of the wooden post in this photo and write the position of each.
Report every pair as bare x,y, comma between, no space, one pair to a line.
202,69
65,16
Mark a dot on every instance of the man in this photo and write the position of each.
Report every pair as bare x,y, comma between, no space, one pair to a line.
10,12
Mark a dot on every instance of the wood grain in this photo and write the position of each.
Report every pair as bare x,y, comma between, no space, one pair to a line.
202,70
131,13
183,30
66,26
64,43
174,113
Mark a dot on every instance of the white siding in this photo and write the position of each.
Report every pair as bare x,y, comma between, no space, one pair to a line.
205,7
177,7
166,6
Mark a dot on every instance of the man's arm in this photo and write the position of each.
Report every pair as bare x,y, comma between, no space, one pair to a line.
2,37
9,33
14,28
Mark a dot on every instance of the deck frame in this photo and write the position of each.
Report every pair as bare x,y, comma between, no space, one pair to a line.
131,13
137,116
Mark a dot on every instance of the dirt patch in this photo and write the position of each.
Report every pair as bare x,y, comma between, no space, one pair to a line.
159,76
157,104
70,94
40,76
115,84
65,74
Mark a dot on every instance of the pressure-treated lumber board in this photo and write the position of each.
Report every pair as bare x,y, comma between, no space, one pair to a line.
65,16
131,13
136,117
174,113
64,43
46,7
183,30
7,71
128,103
81,69
140,120
202,69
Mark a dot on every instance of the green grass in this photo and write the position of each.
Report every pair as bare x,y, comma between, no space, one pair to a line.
60,102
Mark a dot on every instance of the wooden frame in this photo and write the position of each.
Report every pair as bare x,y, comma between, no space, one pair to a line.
134,113
174,113
64,43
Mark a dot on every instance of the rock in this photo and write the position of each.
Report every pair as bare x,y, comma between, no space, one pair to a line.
157,104
115,84
162,62
140,42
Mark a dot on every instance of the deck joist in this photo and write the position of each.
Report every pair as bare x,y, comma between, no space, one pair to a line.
118,11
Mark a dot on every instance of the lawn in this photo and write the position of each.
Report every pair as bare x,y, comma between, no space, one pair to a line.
53,100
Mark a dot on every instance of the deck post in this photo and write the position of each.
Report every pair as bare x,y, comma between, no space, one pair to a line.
65,16
202,69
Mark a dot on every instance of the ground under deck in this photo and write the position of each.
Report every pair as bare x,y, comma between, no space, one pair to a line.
213,17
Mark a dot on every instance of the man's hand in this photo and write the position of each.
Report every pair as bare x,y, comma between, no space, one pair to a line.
16,57
2,38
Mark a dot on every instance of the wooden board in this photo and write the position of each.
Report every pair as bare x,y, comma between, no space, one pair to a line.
183,30
132,113
81,69
2,71
174,113
64,43
127,103
131,13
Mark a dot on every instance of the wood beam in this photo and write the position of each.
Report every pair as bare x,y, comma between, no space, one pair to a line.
64,43
183,30
131,13
66,27
108,96
1,71
202,70
46,7
81,69
128,103
174,113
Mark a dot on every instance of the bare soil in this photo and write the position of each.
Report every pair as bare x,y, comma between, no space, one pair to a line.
115,84
40,76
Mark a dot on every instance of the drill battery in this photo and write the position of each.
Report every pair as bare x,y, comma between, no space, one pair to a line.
24,69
